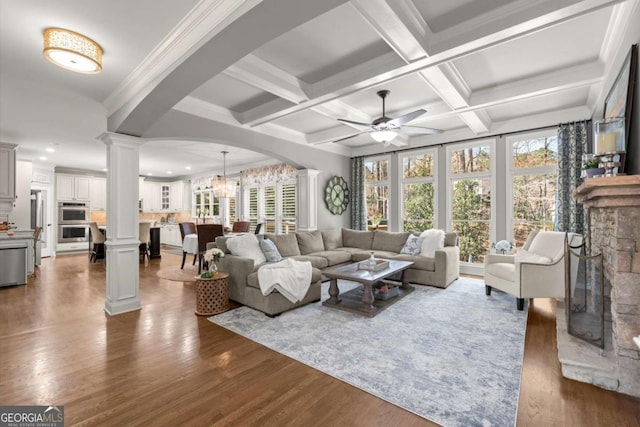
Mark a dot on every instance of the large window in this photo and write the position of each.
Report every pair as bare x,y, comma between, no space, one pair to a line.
470,212
418,190
533,161
206,205
377,191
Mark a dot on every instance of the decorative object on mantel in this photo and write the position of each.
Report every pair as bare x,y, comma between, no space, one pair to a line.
591,166
72,51
610,145
337,195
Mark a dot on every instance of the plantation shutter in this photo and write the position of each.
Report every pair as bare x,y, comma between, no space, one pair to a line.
270,209
288,208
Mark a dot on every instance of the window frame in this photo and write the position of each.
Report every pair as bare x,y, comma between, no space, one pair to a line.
512,171
465,266
386,183
433,151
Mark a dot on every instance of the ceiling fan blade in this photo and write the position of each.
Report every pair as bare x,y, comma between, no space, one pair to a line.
418,129
355,123
350,136
399,121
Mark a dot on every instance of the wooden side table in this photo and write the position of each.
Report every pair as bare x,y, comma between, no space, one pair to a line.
212,294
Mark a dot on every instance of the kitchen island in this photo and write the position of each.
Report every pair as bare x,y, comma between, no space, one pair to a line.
16,257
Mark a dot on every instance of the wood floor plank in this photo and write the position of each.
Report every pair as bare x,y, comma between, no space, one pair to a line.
163,365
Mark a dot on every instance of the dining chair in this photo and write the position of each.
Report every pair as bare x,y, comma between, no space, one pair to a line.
144,237
187,228
241,227
258,228
97,240
207,233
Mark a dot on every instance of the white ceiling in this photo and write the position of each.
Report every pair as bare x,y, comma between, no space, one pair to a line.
478,67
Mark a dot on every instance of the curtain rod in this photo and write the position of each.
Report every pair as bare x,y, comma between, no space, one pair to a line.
442,144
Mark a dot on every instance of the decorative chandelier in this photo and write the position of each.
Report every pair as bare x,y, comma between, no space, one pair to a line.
222,187
72,51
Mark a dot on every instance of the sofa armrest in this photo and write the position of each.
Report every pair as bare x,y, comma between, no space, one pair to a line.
238,268
541,280
447,265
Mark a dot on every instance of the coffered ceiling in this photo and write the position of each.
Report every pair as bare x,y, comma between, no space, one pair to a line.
288,69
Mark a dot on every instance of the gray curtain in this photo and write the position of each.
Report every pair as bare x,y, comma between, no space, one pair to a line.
572,143
358,198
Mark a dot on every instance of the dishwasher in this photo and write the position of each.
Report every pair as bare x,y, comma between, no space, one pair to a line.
13,266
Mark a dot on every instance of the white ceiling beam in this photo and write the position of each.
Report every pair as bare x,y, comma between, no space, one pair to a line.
409,45
555,81
263,75
511,21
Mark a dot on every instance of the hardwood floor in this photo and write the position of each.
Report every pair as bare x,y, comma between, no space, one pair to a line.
163,365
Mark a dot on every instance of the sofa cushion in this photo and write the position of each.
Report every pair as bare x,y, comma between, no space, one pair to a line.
389,241
332,239
270,250
412,246
309,242
362,255
419,262
246,246
287,244
432,240
252,279
357,239
334,257
316,261
221,243
350,250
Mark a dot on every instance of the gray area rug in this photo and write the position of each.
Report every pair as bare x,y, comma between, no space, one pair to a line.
451,355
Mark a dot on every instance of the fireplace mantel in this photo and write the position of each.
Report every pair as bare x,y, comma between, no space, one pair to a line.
611,191
613,229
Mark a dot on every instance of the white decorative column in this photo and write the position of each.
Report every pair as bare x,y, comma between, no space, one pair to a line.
123,281
307,199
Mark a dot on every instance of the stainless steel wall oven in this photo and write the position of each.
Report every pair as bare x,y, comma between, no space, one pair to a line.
73,213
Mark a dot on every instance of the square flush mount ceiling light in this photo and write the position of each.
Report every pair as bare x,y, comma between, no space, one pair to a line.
72,51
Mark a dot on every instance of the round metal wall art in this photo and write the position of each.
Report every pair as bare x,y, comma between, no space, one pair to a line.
337,195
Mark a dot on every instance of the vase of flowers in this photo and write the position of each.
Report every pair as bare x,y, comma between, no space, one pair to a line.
503,247
211,257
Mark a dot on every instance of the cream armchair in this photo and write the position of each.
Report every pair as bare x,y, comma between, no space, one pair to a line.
536,271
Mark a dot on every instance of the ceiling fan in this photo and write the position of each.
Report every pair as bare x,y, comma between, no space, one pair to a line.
384,129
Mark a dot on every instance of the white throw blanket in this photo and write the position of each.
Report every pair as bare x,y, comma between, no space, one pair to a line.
289,277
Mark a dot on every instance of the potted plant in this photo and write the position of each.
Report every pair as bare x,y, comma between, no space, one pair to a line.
591,167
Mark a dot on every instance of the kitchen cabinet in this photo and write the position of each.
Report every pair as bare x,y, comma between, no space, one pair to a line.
72,187
170,235
151,199
7,176
180,196
98,194
165,197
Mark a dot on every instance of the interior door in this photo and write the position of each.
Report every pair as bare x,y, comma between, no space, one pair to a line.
46,234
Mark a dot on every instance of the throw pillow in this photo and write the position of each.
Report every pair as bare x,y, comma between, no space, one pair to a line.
432,240
412,246
246,246
270,251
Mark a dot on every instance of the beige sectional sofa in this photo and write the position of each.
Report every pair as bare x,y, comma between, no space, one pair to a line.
329,248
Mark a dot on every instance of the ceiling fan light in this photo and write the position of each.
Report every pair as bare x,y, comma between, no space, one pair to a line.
72,51
384,135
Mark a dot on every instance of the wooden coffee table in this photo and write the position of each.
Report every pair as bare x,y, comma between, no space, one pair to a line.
360,300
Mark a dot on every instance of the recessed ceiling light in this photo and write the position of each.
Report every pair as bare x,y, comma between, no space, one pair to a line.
149,174
43,158
169,172
188,168
49,150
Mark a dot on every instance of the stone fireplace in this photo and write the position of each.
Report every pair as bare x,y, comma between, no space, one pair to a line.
613,205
